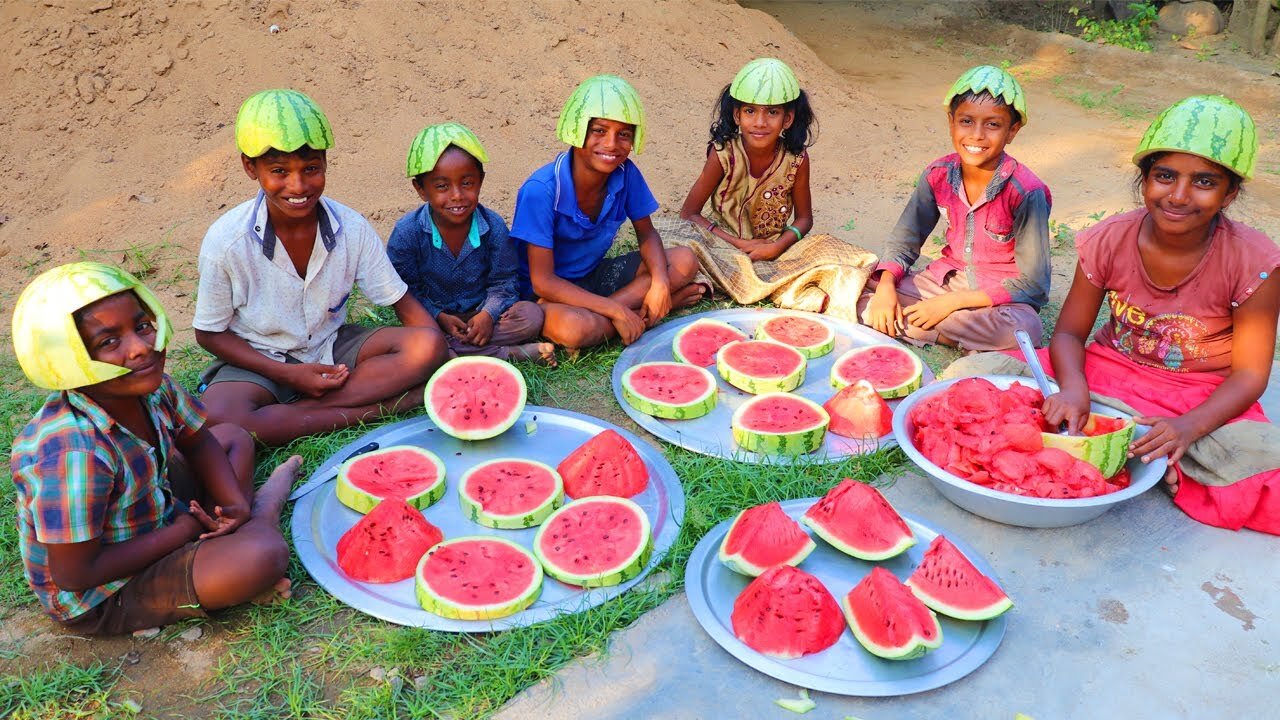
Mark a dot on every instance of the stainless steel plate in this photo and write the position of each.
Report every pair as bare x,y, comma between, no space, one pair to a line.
845,668
711,434
319,519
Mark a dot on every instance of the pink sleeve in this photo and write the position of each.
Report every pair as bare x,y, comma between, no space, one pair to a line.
1257,260
1093,260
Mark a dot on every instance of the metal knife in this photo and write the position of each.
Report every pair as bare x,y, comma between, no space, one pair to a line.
319,480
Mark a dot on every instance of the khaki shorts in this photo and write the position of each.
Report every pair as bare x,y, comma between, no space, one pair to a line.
162,594
346,350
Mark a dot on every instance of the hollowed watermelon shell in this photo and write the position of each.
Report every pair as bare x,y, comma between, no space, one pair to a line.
386,544
698,342
949,583
404,472
787,613
762,537
1104,445
477,578
509,493
813,338
888,620
604,465
595,542
858,412
671,390
761,366
892,370
779,423
474,398
856,519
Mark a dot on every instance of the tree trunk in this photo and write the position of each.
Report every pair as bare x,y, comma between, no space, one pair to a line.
1258,31
1275,43
1238,23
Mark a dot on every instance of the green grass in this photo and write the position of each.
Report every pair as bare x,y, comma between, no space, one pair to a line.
64,691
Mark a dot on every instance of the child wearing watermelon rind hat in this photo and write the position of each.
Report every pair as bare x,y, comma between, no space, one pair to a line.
756,178
1192,329
133,511
455,253
993,276
568,212
275,276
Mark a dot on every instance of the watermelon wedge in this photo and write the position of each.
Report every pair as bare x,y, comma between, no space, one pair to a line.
888,620
595,542
474,398
604,465
762,537
477,578
856,520
403,472
892,370
761,366
698,342
1104,444
949,583
779,423
813,338
858,412
509,493
385,545
671,390
786,613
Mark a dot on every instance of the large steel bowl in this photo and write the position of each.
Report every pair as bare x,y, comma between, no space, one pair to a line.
1018,509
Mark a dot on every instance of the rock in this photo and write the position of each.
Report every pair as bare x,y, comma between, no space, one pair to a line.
101,5
378,674
136,96
147,633
133,657
192,634
84,88
161,62
420,683
1197,18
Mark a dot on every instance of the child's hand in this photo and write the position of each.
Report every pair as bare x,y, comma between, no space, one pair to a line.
884,314
928,313
224,521
1169,436
316,379
452,325
628,324
1069,407
480,330
656,305
765,251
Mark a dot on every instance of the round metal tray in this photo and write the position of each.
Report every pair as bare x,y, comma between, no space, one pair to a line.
711,434
319,519
845,668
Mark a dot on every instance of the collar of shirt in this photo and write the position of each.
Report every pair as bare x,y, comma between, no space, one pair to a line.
1004,171
260,226
566,199
479,227
104,421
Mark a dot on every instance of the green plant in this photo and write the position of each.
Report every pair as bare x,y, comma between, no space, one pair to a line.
1133,32
849,225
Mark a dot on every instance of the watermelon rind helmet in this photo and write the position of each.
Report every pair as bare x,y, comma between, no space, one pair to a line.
430,144
993,80
765,81
283,120
45,339
603,96
1210,126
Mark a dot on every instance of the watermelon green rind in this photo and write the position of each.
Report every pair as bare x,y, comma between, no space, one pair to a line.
1209,126
603,96
623,570
792,442
695,408
444,375
283,120
758,385
888,393
949,583
430,144
472,509
738,563
434,603
695,325
904,603
362,502
818,349
993,80
765,81
863,509
1107,452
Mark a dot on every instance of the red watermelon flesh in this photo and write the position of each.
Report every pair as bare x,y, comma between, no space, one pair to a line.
856,519
858,411
511,487
604,465
700,343
949,583
386,543
786,613
762,537
479,572
763,359
888,619
397,474
670,383
796,331
779,414
883,367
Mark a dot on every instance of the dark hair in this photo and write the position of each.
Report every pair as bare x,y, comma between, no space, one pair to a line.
422,176
802,133
77,316
1234,181
1014,116
274,154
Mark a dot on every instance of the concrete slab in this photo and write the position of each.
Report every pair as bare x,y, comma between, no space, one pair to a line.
1140,613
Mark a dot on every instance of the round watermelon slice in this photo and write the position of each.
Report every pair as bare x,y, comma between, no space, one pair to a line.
858,412
856,519
510,493
604,465
671,390
762,537
404,472
888,620
761,366
475,398
786,613
595,542
813,338
949,583
780,423
892,370
385,545
698,342
477,578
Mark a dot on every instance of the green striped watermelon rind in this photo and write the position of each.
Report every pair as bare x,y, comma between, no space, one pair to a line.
991,79
623,571
693,326
765,81
1108,452
433,603
757,385
283,120
695,408
362,502
430,144
1209,126
791,442
472,508
888,393
817,349
603,96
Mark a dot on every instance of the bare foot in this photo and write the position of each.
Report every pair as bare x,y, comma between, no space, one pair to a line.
282,590
541,353
1171,481
269,499
690,294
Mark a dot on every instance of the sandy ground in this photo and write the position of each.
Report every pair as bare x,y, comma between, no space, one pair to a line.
117,143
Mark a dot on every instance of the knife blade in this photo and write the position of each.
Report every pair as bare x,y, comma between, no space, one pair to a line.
319,480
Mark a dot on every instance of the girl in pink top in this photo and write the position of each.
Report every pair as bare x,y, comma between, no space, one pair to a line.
1193,309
